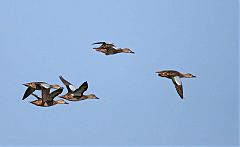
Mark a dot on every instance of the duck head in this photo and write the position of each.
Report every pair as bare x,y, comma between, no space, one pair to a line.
127,50
162,73
188,75
31,84
92,96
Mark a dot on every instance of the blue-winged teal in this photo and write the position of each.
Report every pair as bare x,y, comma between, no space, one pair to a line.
175,76
76,94
47,98
32,86
109,49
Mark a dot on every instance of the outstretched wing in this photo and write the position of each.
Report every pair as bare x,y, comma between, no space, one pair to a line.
55,93
36,96
101,42
178,85
79,92
104,45
28,92
69,86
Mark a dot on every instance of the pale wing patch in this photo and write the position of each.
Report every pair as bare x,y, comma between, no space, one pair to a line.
178,80
72,87
44,85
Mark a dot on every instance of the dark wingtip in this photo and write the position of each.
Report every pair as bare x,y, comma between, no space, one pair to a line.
61,78
101,42
24,96
181,96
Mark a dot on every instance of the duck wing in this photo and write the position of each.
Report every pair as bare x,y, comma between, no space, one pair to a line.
43,85
45,94
55,93
178,85
69,86
79,92
36,96
104,44
111,51
101,42
29,91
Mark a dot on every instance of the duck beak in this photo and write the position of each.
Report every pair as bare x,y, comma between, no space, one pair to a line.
97,98
157,72
194,76
66,103
25,85
132,52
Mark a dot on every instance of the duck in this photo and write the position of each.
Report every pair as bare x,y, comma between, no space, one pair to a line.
110,49
32,86
76,94
175,76
47,98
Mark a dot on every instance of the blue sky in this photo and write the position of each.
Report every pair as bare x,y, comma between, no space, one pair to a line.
40,40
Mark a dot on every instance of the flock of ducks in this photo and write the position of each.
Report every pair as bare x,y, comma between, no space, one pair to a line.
77,94
47,99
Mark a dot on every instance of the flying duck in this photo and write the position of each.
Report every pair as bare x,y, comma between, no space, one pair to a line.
110,49
76,94
175,76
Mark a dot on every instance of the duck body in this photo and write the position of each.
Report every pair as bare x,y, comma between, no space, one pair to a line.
41,103
71,97
112,51
170,73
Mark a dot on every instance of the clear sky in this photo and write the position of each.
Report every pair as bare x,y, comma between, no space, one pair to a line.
40,40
